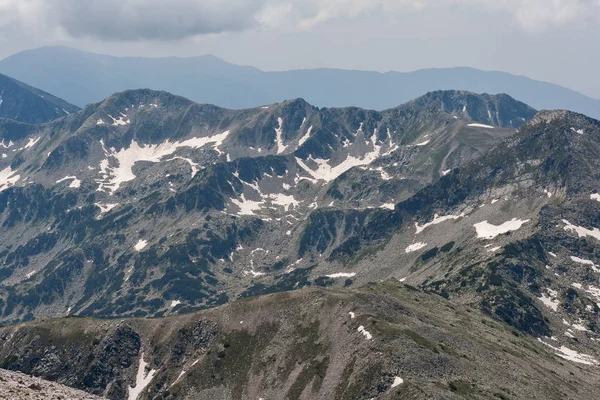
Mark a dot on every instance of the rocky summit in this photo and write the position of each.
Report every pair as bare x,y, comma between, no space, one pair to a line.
447,248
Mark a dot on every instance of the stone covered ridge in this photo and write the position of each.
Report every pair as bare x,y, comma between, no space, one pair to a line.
14,385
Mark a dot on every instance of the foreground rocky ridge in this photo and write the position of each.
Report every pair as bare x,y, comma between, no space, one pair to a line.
381,341
14,385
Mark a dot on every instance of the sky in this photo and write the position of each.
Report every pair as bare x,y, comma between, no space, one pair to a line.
550,40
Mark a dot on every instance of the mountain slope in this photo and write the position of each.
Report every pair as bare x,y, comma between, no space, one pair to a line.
14,385
83,78
384,340
514,231
81,196
30,105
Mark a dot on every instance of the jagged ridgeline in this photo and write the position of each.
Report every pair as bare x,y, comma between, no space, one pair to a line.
248,202
477,215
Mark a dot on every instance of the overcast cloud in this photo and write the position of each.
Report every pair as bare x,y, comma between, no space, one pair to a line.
177,19
554,40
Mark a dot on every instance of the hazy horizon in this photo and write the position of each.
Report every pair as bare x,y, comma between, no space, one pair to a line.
292,69
546,41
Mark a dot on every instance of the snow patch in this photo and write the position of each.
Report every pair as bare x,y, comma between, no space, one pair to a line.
550,299
8,178
113,177
580,131
572,355
304,138
446,172
415,247
436,220
397,382
140,245
247,207
175,303
284,200
425,143
142,380
581,231
104,208
485,230
278,137
31,143
585,262
365,333
481,126
75,183
352,315
342,275
328,173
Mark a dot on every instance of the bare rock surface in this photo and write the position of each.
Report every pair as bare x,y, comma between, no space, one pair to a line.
14,385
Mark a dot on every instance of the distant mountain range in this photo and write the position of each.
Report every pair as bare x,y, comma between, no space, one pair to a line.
23,103
82,78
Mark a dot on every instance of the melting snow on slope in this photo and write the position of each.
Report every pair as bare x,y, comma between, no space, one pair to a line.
389,206
140,245
31,143
284,200
485,230
247,207
415,247
352,315
397,382
572,355
342,275
142,380
436,220
446,172
481,126
278,137
120,121
75,183
113,177
595,196
550,300
365,333
175,303
585,262
328,173
104,208
580,131
425,143
304,138
581,231
8,178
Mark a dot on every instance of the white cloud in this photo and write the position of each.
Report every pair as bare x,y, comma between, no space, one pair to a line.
177,19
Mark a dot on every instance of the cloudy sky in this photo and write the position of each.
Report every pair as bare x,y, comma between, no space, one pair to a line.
552,40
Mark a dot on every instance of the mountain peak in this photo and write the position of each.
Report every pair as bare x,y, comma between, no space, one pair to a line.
498,110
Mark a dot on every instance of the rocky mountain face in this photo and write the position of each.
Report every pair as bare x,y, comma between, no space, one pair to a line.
81,197
483,238
23,103
384,341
